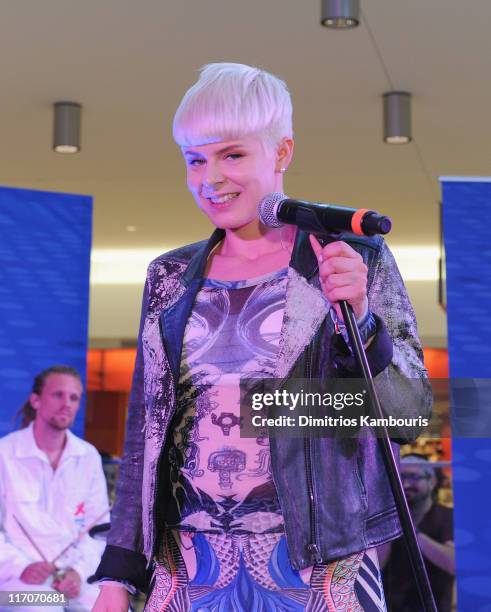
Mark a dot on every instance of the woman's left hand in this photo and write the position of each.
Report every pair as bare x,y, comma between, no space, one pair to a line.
343,275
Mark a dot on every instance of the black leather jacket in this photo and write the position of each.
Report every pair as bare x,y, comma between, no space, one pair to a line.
334,493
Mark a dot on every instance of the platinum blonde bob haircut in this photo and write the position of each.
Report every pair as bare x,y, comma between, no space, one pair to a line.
230,101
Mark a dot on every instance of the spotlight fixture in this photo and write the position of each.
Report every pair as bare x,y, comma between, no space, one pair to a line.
397,117
340,14
66,133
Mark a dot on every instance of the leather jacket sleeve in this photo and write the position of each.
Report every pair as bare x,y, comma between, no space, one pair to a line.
123,558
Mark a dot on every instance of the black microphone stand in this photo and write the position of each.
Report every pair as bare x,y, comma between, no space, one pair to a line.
414,552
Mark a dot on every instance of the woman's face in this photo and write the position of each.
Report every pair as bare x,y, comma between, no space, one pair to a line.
228,179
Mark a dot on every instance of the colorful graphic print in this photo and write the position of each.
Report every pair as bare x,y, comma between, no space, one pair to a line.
251,573
225,549
233,331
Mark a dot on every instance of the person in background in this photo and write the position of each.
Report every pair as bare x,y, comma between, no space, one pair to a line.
434,527
52,487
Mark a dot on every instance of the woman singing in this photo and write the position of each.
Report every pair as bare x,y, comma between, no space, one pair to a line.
219,521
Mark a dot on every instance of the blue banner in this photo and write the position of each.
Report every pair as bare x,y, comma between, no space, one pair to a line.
45,241
466,216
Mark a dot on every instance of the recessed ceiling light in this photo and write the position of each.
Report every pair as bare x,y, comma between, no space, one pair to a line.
397,117
66,149
66,132
340,14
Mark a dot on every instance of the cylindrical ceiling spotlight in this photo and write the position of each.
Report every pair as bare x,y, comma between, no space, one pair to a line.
66,134
397,117
340,14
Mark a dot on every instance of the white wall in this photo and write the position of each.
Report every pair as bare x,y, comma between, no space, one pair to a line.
115,313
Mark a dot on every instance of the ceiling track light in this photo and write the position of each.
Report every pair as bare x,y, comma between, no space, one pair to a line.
340,14
66,133
397,117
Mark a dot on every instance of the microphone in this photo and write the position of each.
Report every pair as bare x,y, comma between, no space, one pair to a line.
276,209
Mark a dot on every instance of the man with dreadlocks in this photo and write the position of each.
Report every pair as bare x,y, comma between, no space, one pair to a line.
51,487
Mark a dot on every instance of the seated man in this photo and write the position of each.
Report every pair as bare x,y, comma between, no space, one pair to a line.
52,488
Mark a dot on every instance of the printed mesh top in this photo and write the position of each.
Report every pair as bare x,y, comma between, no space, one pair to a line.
225,547
220,481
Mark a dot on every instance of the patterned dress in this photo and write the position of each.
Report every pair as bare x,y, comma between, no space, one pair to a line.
224,549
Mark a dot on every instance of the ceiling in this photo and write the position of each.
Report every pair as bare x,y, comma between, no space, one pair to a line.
130,62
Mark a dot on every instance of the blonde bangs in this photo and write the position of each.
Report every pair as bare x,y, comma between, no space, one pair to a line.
230,101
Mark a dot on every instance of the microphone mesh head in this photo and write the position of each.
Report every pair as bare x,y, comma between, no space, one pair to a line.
268,207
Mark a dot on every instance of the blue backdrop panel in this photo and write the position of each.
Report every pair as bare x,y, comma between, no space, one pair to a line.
466,215
45,241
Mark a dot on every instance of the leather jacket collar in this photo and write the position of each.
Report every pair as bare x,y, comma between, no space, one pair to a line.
303,259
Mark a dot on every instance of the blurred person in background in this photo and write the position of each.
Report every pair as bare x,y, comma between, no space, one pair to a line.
434,528
52,487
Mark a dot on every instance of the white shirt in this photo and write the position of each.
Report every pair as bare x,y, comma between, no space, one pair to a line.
53,506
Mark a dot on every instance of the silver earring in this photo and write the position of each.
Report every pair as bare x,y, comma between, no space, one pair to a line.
282,170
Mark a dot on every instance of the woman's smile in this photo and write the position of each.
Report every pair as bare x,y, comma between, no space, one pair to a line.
222,201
